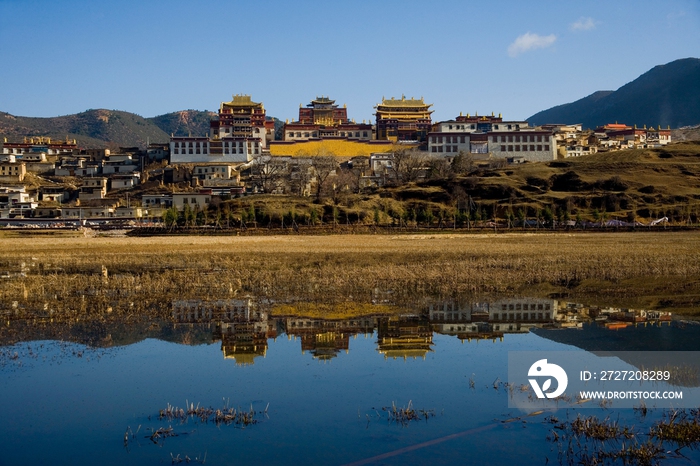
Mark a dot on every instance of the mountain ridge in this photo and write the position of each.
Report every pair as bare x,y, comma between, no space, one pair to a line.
666,95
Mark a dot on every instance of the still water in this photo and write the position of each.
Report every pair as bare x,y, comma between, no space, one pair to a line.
319,391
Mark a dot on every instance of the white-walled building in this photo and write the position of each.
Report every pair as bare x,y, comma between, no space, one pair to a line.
239,133
93,188
194,200
510,140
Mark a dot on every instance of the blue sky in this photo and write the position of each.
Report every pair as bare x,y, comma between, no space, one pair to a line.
155,57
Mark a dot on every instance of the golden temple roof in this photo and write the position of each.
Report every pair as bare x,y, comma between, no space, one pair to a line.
404,102
241,100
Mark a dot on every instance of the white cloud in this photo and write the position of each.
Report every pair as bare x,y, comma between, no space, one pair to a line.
583,24
528,42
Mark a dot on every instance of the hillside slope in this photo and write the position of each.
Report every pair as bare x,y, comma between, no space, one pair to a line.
184,122
666,95
93,128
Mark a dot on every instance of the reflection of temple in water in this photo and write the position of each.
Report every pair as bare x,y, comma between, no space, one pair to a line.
491,320
404,336
324,339
242,328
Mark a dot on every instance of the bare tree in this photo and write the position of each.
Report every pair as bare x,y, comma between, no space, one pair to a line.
438,167
268,172
345,182
409,165
324,165
299,176
463,163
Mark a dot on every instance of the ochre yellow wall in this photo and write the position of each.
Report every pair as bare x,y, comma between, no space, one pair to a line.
339,148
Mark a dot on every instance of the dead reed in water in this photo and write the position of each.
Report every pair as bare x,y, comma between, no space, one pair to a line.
405,415
592,441
107,269
226,415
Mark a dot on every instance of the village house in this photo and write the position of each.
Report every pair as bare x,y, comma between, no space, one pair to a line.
156,204
15,202
128,212
93,188
124,181
78,166
119,163
53,193
217,172
87,212
47,212
13,172
195,200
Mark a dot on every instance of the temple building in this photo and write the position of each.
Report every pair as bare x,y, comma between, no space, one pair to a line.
515,141
240,132
324,128
322,119
39,144
243,119
403,119
633,136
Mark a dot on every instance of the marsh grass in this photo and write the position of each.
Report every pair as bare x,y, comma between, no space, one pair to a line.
592,441
76,277
225,415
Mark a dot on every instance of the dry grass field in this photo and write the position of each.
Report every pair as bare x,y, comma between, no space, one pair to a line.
655,270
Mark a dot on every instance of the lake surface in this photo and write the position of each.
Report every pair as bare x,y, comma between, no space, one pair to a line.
319,391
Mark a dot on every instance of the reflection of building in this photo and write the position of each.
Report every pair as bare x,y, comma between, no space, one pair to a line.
324,339
243,341
242,329
404,337
491,320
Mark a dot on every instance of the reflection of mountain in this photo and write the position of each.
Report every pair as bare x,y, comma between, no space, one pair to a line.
641,337
645,346
245,326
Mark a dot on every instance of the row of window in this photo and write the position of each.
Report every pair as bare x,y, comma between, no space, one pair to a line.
523,148
520,138
448,139
525,307
349,134
522,316
186,200
447,149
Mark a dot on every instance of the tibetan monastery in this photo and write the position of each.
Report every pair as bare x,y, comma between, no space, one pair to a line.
403,119
239,132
